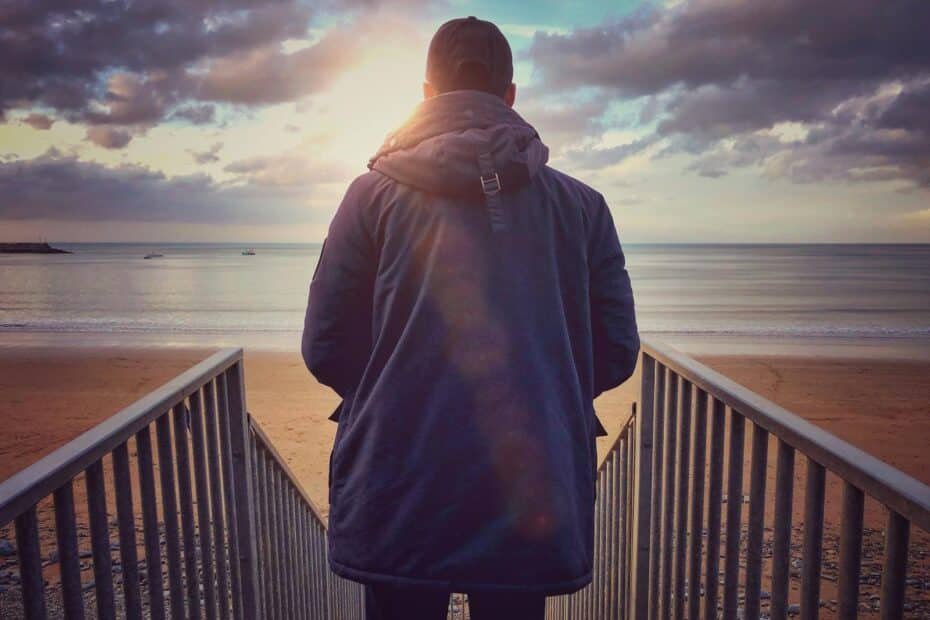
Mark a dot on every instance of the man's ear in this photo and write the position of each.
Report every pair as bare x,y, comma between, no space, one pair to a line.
429,91
511,95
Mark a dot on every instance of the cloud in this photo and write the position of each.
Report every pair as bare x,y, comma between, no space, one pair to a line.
108,137
39,121
196,114
267,75
288,169
139,63
564,123
593,158
727,68
60,187
209,156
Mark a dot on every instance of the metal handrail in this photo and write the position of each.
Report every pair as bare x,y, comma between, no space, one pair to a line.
268,556
293,576
608,594
28,486
661,550
902,493
196,470
279,460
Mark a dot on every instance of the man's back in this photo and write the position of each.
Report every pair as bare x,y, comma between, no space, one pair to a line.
468,332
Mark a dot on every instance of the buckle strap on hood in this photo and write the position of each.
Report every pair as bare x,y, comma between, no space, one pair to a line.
491,188
465,145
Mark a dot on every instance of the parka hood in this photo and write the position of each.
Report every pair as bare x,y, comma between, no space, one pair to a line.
454,139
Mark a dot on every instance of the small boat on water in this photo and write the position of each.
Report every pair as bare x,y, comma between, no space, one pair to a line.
152,255
249,252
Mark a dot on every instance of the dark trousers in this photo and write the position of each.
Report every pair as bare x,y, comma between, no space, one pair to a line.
383,602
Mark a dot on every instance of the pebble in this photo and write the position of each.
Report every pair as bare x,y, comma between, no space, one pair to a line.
7,548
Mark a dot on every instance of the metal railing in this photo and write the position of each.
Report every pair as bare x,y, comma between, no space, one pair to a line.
608,595
205,522
293,572
665,549
209,521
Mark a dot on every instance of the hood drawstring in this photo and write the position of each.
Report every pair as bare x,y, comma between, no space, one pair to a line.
491,188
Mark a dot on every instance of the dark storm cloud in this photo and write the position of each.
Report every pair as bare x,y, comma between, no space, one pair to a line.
727,68
58,187
134,62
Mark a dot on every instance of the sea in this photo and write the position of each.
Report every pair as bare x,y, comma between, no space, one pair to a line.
829,300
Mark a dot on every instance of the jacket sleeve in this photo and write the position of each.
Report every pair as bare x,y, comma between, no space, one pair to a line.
613,319
336,341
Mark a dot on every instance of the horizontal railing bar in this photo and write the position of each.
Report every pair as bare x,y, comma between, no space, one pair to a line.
26,488
905,495
273,453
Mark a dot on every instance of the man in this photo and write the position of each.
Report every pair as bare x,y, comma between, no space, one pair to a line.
468,305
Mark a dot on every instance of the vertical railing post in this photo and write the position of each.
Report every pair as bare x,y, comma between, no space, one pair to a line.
242,467
642,500
850,551
30,565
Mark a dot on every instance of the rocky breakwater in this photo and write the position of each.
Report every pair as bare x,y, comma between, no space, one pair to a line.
30,248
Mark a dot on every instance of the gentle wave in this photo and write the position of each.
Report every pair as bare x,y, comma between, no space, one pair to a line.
874,294
766,331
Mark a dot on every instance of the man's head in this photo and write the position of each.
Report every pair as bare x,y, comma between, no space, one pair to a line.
469,54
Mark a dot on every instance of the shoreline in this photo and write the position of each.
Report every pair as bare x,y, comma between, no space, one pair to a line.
695,345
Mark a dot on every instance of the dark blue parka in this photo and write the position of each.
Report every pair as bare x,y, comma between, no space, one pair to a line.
467,335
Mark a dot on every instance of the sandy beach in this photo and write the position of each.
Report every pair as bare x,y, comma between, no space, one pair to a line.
50,396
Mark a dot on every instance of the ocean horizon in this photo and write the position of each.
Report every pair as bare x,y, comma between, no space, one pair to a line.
827,299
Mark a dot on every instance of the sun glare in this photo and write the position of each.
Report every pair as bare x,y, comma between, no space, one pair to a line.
371,100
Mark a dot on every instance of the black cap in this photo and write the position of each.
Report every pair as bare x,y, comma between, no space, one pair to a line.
469,53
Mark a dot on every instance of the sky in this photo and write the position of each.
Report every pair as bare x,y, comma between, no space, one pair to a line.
240,120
